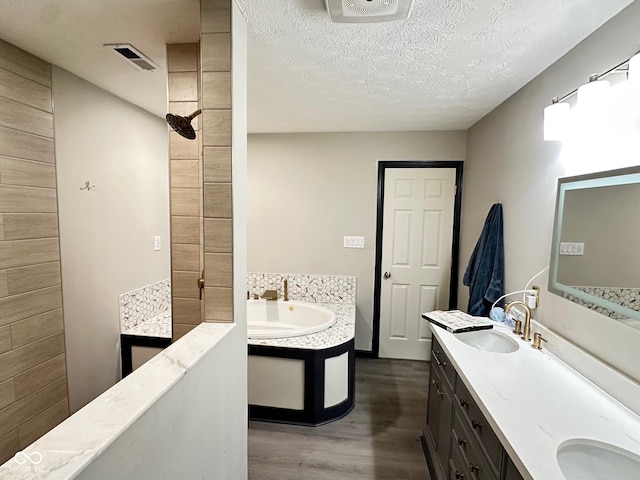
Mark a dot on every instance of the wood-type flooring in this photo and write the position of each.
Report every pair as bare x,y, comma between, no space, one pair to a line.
378,440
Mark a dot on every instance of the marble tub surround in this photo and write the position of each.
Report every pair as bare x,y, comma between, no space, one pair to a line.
332,289
158,326
144,304
342,331
534,402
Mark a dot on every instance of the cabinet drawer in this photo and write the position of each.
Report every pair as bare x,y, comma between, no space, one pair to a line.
465,442
458,469
442,361
476,422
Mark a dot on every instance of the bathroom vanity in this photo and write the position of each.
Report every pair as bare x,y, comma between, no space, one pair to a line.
457,438
498,409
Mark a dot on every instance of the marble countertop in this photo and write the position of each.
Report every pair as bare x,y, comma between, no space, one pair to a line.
535,402
158,326
342,331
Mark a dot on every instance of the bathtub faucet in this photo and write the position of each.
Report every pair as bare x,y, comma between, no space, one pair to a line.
286,290
270,295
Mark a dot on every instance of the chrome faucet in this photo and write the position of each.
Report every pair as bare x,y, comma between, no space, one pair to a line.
526,335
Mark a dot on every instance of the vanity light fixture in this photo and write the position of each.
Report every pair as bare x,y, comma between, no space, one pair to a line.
591,96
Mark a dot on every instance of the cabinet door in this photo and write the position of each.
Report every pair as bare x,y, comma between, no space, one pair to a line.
443,445
433,406
511,472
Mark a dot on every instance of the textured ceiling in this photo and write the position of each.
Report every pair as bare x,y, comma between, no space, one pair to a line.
445,67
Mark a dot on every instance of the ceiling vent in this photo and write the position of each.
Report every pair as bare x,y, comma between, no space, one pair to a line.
132,56
368,11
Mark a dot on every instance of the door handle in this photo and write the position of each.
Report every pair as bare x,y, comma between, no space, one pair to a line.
387,275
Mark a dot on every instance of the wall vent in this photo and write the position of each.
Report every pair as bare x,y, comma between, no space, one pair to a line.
133,56
368,11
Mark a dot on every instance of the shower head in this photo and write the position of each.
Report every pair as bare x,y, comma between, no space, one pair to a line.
182,125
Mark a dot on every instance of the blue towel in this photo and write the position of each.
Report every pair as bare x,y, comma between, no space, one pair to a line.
485,272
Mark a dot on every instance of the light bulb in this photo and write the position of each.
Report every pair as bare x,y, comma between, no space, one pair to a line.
556,120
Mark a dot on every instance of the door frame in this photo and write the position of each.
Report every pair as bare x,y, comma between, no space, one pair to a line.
455,257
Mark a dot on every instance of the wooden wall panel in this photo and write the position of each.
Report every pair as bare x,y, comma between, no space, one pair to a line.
14,171
215,45
33,384
186,191
25,91
17,226
24,64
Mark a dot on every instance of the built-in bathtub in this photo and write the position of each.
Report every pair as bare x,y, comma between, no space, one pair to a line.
306,374
284,319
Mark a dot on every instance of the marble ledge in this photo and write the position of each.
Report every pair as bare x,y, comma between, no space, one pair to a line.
71,446
342,331
158,326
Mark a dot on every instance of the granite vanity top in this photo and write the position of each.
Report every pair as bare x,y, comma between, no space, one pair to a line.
158,326
534,402
342,331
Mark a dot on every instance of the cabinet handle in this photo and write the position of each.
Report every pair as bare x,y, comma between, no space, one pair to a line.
438,392
462,442
464,403
435,356
459,476
475,424
474,468
433,382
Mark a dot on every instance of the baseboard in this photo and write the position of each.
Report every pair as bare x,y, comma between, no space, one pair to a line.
364,354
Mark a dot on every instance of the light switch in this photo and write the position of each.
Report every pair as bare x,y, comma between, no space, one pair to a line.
156,243
353,242
571,248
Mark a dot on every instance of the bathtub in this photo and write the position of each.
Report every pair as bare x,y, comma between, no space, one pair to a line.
300,370
280,319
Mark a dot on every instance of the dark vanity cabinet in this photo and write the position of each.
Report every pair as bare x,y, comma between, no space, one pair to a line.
458,442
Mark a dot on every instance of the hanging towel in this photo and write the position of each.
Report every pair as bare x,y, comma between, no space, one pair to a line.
485,272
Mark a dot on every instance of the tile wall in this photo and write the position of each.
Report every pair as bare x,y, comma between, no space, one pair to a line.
335,289
186,190
144,303
215,54
33,382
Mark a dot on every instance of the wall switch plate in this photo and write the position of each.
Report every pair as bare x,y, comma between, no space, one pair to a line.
571,248
353,242
156,243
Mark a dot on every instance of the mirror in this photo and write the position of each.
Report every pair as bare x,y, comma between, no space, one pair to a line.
595,254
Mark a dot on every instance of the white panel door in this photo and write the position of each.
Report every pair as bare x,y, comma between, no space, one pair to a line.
416,257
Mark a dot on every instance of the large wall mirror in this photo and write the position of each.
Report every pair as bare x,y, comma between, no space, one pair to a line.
595,254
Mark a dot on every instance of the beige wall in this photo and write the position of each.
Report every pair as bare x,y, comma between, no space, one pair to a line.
106,234
33,382
307,191
508,160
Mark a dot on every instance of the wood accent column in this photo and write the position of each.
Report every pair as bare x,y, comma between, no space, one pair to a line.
215,52
186,190
33,381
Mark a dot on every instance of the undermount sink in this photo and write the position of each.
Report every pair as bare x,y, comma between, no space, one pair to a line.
583,459
489,341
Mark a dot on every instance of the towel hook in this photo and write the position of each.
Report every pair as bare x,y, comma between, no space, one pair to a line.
88,186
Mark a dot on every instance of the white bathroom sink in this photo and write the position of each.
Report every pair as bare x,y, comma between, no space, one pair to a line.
489,341
582,459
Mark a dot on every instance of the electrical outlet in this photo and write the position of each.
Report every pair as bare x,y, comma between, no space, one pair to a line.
156,243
